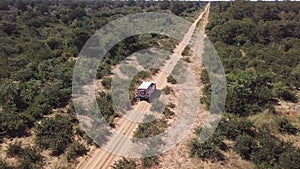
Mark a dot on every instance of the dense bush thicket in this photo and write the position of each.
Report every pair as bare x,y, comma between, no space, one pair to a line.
55,133
257,43
39,40
252,143
39,43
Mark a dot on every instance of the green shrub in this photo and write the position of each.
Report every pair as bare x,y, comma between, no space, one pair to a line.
75,150
281,90
54,133
270,148
167,90
106,82
154,71
186,51
150,161
32,155
206,150
29,157
232,126
168,113
284,126
105,104
142,75
186,59
171,80
14,149
150,127
27,164
124,164
245,145
248,92
171,105
290,159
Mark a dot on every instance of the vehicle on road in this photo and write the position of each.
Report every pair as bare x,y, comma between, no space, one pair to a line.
145,90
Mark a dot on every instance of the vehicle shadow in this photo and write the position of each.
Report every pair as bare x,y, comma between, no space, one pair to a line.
155,95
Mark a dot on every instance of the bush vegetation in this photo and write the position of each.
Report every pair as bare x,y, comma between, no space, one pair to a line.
75,150
186,51
168,113
149,161
246,51
40,41
284,125
106,82
167,90
105,104
186,59
252,143
29,157
150,127
171,105
55,134
124,164
170,79
257,46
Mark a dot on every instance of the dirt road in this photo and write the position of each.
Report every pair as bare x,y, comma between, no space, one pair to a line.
101,159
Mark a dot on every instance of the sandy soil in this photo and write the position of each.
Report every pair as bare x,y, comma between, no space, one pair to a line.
178,157
100,158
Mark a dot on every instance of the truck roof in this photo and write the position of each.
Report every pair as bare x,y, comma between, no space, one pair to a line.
145,85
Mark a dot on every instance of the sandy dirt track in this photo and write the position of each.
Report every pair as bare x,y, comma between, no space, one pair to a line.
101,159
